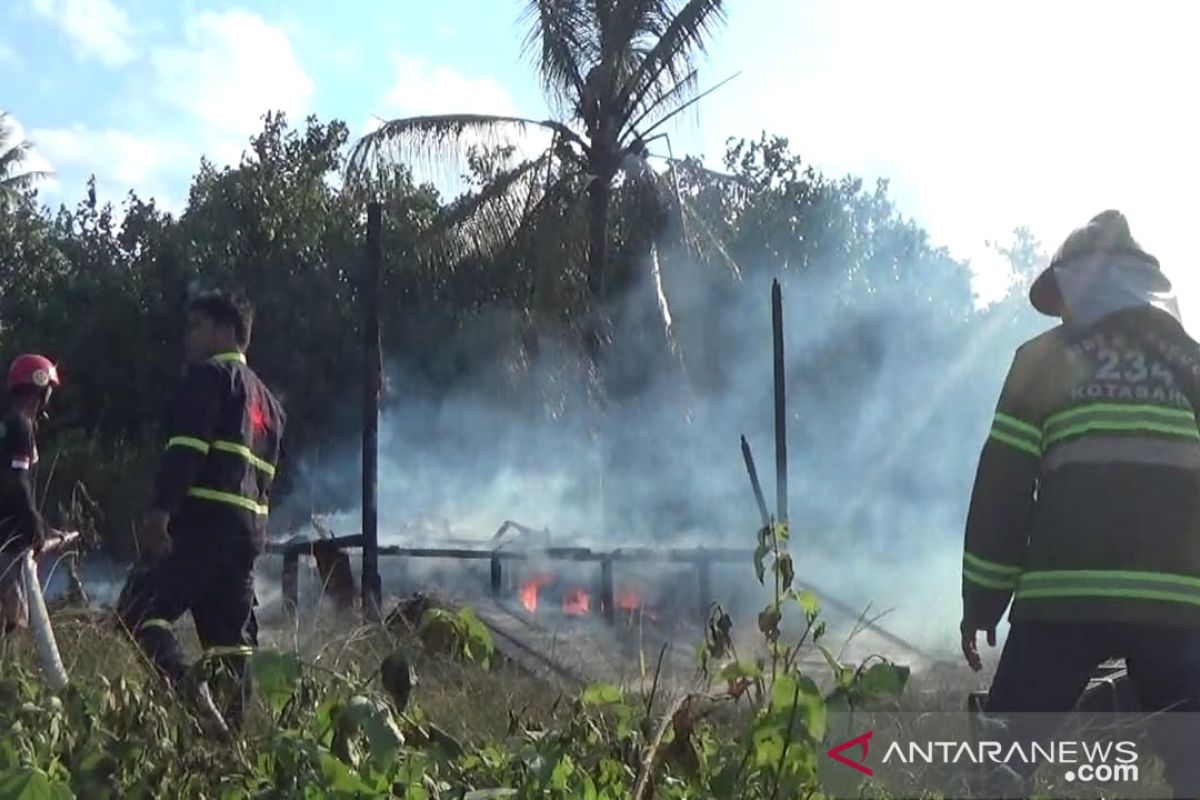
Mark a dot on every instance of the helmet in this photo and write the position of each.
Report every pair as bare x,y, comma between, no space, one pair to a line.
32,370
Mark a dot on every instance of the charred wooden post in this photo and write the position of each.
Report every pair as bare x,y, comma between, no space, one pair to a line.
607,603
496,576
748,457
372,381
333,565
781,478
291,582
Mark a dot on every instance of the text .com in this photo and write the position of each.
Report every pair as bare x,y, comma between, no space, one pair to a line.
1104,773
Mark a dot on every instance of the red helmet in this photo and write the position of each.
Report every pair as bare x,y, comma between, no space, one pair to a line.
32,370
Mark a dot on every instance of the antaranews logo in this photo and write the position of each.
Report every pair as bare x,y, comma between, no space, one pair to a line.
1087,762
858,741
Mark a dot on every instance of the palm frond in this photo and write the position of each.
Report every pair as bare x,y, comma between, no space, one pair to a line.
681,94
484,224
674,103
12,157
442,138
698,237
24,180
671,58
557,30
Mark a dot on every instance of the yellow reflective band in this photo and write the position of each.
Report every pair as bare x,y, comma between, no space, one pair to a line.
231,499
228,651
1109,583
156,622
1178,414
189,442
990,566
1016,442
231,356
244,452
1002,584
1020,425
1118,418
1018,434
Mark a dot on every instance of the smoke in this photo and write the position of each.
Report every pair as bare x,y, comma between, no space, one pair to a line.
892,378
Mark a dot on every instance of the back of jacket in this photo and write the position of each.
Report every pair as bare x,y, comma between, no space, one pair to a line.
1086,503
20,522
224,433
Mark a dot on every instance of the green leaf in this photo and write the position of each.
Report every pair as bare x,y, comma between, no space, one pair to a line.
338,776
842,674
883,681
768,622
783,566
561,776
812,708
810,603
740,669
767,745
760,554
601,694
477,639
25,783
383,738
276,675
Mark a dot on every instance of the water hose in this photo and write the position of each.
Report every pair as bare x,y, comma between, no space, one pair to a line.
39,618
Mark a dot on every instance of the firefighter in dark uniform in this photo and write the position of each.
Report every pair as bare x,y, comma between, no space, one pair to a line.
31,380
1085,512
207,525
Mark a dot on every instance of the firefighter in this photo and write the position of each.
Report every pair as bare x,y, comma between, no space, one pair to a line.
207,525
31,380
1085,511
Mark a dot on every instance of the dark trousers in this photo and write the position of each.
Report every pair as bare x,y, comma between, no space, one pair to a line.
214,580
1045,667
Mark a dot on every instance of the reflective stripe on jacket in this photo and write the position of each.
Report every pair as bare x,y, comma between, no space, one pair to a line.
1086,503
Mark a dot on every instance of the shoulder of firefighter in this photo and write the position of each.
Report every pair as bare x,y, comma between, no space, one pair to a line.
20,522
1086,501
223,433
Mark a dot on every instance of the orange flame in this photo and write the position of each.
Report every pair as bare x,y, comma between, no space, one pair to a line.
529,591
628,600
577,602
529,595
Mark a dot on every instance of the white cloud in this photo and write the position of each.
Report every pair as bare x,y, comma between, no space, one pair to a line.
986,117
121,161
229,71
422,88
233,69
98,28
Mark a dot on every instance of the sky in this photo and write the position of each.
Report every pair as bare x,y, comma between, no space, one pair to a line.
983,117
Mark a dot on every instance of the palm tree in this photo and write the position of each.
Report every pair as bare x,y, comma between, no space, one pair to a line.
12,155
615,72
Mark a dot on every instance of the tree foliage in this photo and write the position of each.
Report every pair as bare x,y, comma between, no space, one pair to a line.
101,289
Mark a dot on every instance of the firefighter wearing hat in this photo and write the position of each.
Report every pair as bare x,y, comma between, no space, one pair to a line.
31,381
1085,511
208,521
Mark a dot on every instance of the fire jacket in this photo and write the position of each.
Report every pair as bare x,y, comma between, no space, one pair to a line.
224,430
1086,503
20,522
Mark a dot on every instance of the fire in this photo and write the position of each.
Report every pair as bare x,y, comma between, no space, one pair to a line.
628,600
576,602
529,591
